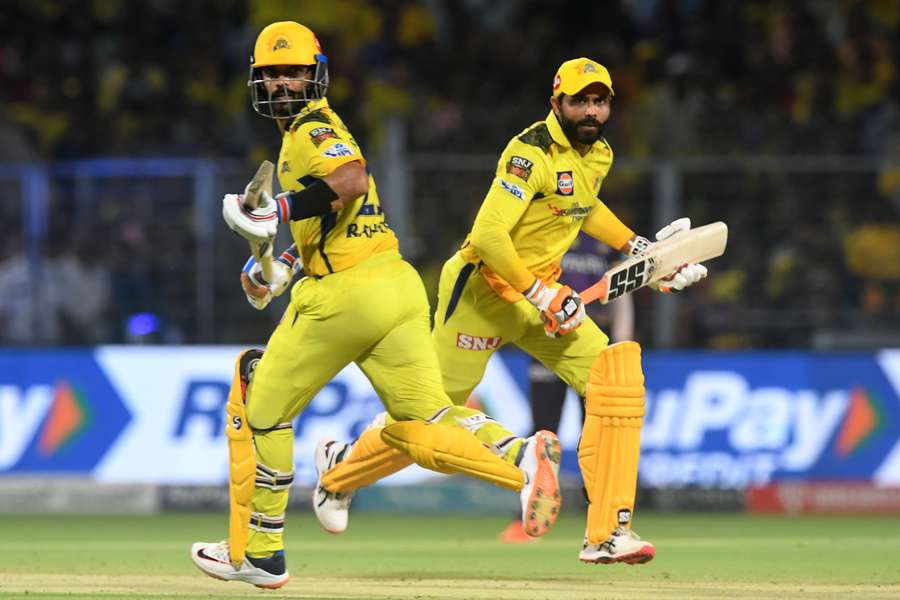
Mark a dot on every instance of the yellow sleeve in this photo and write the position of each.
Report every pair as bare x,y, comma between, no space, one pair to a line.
601,224
325,148
521,173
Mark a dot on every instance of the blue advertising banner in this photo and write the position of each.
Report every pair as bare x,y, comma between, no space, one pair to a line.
156,415
732,420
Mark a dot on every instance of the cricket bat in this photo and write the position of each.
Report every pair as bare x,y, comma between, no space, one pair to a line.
261,182
659,260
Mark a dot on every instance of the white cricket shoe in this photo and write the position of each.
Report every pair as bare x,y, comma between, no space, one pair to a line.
623,545
540,495
332,509
214,560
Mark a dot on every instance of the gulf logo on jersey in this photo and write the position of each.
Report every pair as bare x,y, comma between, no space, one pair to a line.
565,183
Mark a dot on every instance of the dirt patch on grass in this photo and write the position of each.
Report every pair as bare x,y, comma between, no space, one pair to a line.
139,587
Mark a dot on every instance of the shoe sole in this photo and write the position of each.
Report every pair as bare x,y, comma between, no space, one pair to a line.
545,500
644,555
272,586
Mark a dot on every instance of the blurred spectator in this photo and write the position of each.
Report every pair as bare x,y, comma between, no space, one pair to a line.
693,78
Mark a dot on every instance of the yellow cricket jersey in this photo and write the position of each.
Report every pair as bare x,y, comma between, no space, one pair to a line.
316,143
543,194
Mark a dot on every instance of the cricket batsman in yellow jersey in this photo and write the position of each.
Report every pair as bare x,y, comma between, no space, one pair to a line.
501,288
359,302
545,191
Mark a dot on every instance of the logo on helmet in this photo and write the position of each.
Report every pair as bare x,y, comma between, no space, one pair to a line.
588,68
281,44
556,82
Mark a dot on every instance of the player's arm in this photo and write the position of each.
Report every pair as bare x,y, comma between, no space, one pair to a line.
492,241
521,173
337,173
325,194
603,225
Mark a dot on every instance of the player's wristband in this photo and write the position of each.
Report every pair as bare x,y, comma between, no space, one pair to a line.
289,256
313,201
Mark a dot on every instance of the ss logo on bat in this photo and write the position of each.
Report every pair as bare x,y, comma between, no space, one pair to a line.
627,281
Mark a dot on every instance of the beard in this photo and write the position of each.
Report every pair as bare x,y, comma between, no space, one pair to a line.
576,132
286,104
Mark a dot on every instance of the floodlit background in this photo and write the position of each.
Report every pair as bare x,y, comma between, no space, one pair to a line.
772,385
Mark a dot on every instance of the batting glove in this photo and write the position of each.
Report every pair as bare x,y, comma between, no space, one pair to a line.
687,274
561,307
258,225
259,292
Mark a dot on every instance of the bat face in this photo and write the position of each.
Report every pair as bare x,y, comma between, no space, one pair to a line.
659,260
260,181
627,280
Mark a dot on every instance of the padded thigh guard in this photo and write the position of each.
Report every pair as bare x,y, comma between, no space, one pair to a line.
611,439
241,457
451,449
370,459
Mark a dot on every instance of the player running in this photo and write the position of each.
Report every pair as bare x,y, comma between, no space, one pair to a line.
501,288
359,301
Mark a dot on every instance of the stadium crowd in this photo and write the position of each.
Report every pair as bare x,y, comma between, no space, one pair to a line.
693,78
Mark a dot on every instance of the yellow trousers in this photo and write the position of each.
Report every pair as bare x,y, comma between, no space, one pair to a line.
472,322
375,314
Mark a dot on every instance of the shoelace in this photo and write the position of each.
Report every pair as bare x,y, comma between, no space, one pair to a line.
342,497
219,551
611,542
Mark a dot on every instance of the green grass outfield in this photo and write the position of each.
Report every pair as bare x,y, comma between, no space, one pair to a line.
422,557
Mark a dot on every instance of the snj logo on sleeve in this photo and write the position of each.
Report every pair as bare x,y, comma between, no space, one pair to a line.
476,342
520,167
565,183
320,134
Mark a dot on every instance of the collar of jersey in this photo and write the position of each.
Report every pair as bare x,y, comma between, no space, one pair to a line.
311,106
559,136
556,131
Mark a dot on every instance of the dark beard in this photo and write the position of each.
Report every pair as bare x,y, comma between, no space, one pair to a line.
570,128
285,105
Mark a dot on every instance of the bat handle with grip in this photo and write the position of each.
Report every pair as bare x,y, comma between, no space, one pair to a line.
263,255
596,291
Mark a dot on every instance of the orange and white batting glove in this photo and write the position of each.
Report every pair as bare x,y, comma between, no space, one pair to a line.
687,274
561,307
